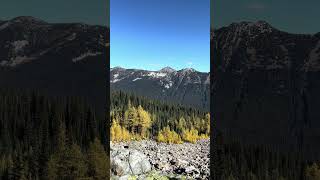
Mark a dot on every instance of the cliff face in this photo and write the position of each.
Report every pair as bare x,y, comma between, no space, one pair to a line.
266,85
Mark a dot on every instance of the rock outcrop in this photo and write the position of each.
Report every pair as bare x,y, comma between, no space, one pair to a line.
128,162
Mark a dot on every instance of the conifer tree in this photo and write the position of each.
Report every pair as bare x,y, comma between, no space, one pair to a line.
144,121
98,161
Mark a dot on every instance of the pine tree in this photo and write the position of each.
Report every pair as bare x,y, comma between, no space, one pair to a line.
131,118
98,161
67,164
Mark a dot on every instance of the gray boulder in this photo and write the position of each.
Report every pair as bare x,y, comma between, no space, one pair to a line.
129,161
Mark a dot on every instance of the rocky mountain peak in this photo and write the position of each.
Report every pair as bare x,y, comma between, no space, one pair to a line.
259,45
246,27
27,20
167,70
188,70
117,68
256,24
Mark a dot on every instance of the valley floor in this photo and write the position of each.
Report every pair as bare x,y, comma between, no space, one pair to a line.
178,160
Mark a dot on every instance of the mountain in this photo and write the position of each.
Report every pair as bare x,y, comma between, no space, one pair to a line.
266,84
59,58
186,86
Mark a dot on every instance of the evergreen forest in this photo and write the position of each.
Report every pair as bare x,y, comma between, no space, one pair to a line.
234,160
47,137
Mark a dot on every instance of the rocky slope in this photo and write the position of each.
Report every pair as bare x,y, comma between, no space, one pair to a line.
266,85
62,59
171,160
186,86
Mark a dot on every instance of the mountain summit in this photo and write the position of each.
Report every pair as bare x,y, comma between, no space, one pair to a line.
167,70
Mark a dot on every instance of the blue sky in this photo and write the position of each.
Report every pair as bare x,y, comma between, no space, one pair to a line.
295,16
151,34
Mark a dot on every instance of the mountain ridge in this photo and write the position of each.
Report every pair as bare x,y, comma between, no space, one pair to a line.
186,86
26,38
66,59
264,86
259,22
166,68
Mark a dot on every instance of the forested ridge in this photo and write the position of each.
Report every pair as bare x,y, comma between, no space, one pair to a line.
46,137
142,118
234,160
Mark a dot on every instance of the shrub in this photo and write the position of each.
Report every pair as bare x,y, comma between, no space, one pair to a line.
119,133
204,136
168,136
190,135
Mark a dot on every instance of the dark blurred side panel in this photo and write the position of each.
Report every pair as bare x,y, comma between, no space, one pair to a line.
54,90
265,83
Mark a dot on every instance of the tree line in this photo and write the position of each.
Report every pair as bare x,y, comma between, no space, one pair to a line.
233,160
46,137
136,117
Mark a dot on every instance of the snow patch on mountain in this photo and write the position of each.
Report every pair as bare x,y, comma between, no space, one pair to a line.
19,45
136,79
14,61
115,80
85,55
115,75
169,85
72,37
4,25
157,74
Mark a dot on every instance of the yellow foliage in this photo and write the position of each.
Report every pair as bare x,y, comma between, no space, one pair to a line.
168,136
144,121
190,135
119,133
204,136
125,134
208,123
144,117
137,120
161,137
115,131
136,123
